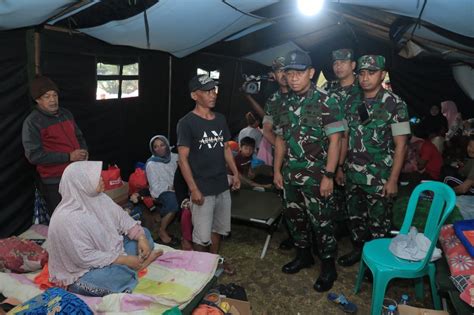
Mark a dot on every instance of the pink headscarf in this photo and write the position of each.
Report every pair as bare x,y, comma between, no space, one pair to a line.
86,228
450,111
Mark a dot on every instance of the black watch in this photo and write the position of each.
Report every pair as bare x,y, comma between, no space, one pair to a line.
328,174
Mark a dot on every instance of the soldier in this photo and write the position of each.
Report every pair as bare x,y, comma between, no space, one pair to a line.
295,222
309,144
378,128
343,66
274,102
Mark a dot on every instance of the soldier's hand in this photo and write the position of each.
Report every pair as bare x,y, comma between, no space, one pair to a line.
278,180
340,177
390,189
327,187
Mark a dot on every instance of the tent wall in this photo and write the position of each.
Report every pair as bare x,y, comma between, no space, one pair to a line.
16,175
116,131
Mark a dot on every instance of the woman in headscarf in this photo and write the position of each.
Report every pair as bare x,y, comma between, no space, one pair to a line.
160,170
436,125
454,118
95,248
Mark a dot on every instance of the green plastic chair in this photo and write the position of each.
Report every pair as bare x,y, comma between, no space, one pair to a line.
385,266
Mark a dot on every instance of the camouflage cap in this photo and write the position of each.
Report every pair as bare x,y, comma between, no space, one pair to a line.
342,54
297,60
371,62
278,63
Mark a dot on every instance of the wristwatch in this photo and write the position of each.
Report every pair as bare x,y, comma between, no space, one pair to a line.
328,174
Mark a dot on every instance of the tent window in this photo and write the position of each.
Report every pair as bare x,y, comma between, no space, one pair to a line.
214,74
117,81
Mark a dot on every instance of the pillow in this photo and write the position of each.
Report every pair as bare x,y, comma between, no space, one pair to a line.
53,301
19,255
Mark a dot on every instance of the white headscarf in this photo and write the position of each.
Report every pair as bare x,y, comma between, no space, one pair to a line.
86,228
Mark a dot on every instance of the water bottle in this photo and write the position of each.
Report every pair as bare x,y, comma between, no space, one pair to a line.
404,299
392,310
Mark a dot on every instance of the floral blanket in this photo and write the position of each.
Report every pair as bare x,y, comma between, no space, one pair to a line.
174,279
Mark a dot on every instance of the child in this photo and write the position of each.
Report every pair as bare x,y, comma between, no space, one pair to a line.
243,161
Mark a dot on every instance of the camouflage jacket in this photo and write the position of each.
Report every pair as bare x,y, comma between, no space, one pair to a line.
306,122
342,94
371,145
273,106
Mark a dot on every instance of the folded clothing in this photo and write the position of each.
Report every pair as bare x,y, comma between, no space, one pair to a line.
19,255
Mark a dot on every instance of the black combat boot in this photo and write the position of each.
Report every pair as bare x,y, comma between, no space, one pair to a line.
304,259
327,276
352,257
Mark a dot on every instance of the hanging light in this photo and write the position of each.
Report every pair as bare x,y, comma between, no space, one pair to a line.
310,7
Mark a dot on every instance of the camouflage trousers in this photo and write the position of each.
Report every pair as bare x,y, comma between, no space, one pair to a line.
307,214
370,214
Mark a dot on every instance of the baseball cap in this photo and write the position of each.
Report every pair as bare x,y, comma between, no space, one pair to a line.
202,82
297,60
371,62
342,54
278,63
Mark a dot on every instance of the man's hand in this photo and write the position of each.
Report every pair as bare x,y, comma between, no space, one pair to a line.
340,177
327,187
390,189
236,182
197,197
78,155
143,248
278,180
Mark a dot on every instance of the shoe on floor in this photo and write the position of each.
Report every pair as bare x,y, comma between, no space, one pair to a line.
342,303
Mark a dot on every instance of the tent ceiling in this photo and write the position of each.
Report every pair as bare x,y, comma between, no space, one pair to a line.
245,27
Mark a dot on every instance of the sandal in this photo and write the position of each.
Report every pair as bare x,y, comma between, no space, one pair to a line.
342,302
227,268
174,242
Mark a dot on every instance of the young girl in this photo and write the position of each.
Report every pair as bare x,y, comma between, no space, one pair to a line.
160,170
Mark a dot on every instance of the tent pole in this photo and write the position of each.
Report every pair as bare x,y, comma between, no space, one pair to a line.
170,69
37,53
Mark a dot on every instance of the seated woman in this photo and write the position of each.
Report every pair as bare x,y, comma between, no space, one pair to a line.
95,247
460,173
160,170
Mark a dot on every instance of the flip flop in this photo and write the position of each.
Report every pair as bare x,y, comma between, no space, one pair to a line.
227,268
342,303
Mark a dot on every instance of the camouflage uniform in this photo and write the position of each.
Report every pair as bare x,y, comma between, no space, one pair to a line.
370,158
342,94
305,124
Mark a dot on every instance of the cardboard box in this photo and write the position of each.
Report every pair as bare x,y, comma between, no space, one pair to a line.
238,307
410,310
119,195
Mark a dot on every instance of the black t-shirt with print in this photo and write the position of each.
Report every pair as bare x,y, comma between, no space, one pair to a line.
205,140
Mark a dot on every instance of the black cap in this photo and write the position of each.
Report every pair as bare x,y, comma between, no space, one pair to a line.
201,82
297,60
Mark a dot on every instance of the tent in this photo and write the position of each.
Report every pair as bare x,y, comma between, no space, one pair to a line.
429,45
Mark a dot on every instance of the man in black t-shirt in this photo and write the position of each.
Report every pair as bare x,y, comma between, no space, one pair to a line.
203,153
